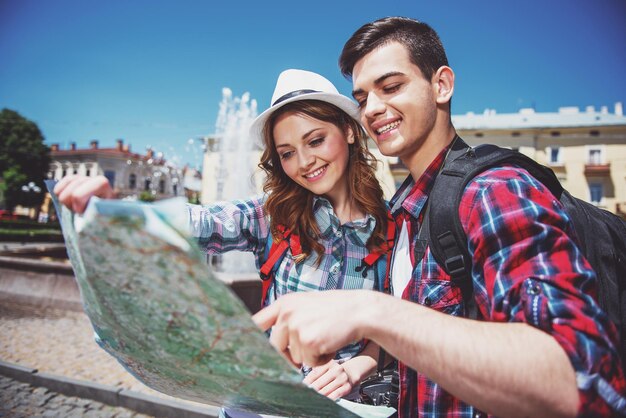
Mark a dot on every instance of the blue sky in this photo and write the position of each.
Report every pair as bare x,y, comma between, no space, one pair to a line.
152,72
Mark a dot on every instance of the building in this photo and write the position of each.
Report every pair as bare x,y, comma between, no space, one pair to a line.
586,149
131,175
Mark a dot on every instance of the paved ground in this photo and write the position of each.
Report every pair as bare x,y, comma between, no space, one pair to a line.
60,342
18,399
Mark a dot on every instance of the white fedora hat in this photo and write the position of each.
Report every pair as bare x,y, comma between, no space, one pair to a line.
293,85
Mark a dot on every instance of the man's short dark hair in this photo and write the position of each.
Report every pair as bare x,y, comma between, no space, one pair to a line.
421,41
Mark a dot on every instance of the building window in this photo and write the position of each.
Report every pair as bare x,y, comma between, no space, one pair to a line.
175,188
161,186
88,173
595,156
110,175
595,193
132,182
146,185
554,155
63,173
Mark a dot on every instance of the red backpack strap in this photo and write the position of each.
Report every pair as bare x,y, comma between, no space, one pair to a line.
391,236
369,260
276,254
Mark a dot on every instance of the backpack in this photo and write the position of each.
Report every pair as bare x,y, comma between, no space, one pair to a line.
601,234
275,252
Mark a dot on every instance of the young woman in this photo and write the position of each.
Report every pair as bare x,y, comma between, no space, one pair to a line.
321,197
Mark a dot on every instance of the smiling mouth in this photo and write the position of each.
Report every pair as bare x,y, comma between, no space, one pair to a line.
388,127
315,174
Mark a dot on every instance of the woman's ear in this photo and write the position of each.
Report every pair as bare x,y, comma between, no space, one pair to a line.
443,81
349,135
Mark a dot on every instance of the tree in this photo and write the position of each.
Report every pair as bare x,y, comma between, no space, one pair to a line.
146,196
24,158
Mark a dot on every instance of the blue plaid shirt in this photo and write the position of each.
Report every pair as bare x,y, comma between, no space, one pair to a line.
243,225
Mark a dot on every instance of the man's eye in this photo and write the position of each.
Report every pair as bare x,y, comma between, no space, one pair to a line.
361,103
391,88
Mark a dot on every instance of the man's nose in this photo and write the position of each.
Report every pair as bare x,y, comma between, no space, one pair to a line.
373,107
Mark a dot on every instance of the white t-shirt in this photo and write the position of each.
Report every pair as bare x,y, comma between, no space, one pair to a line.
402,268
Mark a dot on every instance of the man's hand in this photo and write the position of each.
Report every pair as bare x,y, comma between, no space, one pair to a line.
309,327
75,191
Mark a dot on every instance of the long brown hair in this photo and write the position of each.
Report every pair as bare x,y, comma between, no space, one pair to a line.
291,205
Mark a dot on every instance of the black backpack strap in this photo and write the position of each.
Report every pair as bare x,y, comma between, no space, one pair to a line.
447,239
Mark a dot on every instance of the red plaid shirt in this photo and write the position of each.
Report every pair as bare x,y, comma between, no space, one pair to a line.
508,216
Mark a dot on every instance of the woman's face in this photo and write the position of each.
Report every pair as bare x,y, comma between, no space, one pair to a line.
313,153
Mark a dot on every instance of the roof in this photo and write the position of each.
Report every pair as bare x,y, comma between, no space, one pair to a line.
106,152
566,117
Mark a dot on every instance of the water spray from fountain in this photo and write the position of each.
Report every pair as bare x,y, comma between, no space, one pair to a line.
235,163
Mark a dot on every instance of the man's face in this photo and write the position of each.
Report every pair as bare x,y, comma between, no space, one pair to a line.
398,104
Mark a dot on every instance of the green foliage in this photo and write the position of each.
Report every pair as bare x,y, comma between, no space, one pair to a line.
194,199
24,158
13,180
146,196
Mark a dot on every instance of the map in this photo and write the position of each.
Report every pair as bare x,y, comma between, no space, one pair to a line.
156,307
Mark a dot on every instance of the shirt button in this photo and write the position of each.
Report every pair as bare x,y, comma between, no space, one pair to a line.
334,270
533,288
338,234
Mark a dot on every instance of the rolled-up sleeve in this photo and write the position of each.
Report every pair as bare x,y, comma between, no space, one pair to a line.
239,225
528,269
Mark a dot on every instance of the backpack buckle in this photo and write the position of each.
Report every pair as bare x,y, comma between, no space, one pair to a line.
455,266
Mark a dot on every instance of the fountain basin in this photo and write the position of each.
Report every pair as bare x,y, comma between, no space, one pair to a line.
41,275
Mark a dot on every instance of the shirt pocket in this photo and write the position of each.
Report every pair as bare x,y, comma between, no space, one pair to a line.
303,276
441,296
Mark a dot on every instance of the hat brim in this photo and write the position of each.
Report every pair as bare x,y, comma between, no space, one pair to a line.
342,102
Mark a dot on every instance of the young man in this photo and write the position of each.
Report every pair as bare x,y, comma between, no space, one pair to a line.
541,347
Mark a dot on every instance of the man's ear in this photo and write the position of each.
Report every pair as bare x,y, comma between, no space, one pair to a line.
443,81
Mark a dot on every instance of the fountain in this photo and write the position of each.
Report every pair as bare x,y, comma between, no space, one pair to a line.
228,172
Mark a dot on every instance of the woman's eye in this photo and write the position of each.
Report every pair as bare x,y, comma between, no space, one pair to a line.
316,142
286,155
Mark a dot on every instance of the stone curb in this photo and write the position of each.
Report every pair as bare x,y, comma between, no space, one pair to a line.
139,402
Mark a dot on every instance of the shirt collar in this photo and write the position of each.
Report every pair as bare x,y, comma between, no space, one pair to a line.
412,195
328,222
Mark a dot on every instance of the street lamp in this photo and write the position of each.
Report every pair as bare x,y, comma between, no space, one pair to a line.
31,190
31,187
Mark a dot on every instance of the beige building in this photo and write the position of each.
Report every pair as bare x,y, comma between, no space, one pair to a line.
585,148
129,173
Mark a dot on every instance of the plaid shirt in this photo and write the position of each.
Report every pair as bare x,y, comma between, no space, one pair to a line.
526,269
243,225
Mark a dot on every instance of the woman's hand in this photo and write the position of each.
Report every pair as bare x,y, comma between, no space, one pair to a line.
75,191
330,379
336,380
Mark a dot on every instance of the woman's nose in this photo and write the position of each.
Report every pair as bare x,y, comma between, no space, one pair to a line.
305,160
